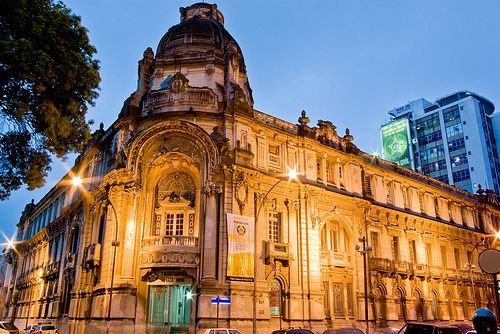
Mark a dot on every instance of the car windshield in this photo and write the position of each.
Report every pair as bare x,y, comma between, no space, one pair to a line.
417,329
47,328
8,326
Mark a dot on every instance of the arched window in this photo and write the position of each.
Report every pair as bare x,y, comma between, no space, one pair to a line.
275,299
174,206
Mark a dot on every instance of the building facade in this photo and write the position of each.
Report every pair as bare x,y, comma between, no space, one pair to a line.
452,140
148,242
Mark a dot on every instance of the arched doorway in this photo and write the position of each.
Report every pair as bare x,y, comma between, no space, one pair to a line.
401,303
449,302
379,299
419,307
434,305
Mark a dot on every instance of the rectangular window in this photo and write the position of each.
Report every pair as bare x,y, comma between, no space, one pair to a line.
413,251
275,226
430,138
374,243
454,130
334,239
318,169
456,144
444,259
395,248
428,253
179,224
461,175
458,160
274,156
458,263
434,167
451,114
330,172
169,226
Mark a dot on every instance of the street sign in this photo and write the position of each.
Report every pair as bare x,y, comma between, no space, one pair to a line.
220,300
225,300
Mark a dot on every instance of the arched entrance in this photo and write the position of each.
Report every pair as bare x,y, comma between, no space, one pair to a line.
449,302
419,306
401,303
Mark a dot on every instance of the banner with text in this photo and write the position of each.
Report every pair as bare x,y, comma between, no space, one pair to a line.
241,248
395,142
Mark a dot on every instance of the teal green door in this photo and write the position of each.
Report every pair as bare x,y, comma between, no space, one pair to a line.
170,307
180,305
158,305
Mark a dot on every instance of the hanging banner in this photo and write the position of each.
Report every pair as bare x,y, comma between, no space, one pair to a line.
396,143
241,248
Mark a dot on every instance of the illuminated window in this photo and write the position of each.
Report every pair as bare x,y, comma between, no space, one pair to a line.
275,226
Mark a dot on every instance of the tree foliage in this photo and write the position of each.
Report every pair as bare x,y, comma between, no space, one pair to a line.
48,78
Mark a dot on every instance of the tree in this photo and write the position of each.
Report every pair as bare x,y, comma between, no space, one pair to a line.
48,78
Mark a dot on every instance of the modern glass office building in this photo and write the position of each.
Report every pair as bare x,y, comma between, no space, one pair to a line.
451,139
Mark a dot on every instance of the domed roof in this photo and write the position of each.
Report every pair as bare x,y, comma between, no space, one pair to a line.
201,31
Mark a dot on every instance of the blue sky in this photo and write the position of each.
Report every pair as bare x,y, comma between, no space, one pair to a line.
345,61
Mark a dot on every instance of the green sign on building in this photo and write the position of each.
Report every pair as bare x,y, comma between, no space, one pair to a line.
396,143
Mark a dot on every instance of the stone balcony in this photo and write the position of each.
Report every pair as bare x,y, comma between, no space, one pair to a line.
381,265
402,268
51,271
169,251
332,258
278,251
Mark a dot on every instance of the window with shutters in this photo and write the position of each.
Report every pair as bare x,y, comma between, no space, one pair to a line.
274,226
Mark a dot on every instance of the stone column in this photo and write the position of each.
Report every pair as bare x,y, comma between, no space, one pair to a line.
210,233
391,308
410,309
427,309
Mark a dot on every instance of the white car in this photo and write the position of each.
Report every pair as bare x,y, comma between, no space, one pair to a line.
7,327
221,331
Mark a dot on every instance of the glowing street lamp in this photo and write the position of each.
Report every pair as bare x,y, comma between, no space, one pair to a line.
292,175
78,182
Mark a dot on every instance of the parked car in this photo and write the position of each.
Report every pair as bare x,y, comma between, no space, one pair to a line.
386,331
292,331
31,329
48,329
464,328
221,331
416,328
350,330
7,327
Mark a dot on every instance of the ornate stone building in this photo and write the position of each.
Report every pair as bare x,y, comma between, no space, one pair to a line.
145,243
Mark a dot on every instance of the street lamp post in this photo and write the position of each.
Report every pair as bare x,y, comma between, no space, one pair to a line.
292,175
78,182
470,266
364,250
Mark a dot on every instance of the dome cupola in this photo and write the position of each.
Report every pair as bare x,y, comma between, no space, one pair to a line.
198,53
